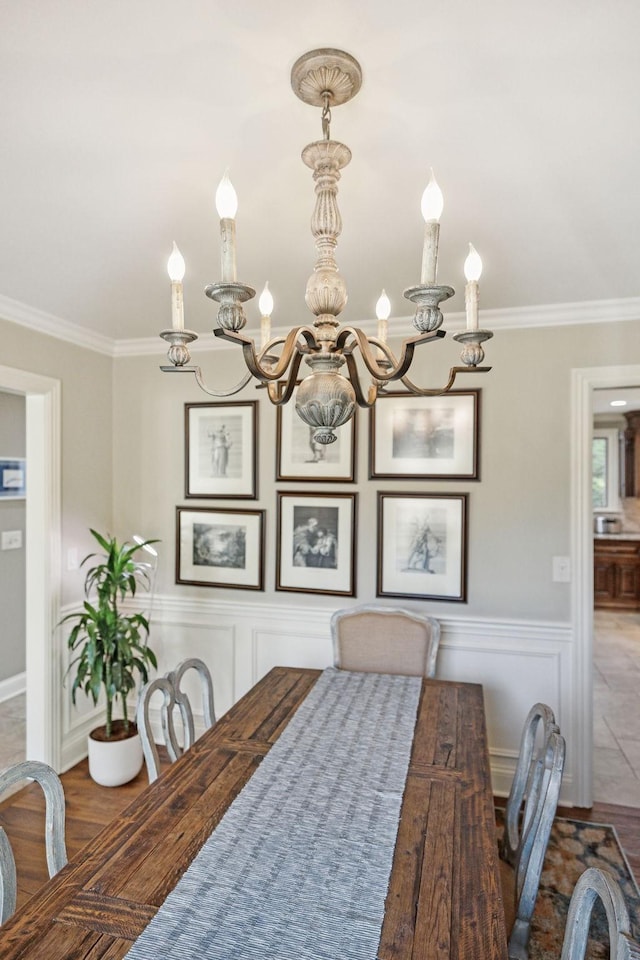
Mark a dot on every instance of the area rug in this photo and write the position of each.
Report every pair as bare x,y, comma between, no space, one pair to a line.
575,845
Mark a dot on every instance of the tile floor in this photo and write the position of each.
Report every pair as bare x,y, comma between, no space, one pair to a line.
13,731
616,714
616,721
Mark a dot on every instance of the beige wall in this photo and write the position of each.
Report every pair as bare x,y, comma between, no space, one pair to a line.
87,436
518,512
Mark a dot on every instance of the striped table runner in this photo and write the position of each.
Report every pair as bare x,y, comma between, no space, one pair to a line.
298,867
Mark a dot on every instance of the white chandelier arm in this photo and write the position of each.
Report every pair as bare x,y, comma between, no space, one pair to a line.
275,370
391,368
220,393
453,373
197,372
281,392
362,400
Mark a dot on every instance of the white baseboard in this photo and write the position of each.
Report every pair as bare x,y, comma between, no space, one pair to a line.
13,686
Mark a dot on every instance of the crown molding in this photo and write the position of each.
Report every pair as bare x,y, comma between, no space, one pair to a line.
21,313
504,318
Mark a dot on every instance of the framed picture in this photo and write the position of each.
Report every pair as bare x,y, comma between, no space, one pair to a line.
426,437
299,457
221,449
422,546
220,548
315,550
13,478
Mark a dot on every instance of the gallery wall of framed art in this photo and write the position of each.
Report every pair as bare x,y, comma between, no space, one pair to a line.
306,539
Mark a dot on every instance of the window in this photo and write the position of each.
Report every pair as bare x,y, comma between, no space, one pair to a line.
605,470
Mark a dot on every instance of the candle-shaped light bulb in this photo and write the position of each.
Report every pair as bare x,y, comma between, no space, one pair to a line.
226,199
265,304
473,264
176,265
383,312
227,207
432,204
432,200
472,272
175,269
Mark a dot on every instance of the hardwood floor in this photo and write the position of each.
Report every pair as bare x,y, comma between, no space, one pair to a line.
91,807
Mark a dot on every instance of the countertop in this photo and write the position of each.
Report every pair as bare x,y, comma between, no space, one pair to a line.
616,536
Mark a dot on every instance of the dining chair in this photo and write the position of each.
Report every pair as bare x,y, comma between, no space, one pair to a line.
538,725
206,684
173,697
376,639
520,880
54,828
592,885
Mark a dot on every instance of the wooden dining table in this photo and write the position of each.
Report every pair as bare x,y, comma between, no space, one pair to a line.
444,895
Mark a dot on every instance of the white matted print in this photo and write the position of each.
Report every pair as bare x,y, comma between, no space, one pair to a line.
220,548
13,484
422,546
316,543
221,449
300,457
430,437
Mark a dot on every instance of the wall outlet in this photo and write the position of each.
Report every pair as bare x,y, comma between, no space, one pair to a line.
561,570
11,540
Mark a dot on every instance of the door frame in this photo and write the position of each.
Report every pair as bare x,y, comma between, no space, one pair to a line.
583,382
43,563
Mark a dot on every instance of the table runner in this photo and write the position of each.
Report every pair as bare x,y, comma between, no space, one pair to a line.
298,867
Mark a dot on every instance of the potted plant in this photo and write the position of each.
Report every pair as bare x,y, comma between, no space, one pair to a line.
111,655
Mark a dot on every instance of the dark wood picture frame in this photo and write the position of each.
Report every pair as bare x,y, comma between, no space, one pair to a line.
426,438
215,549
221,450
423,546
316,542
334,463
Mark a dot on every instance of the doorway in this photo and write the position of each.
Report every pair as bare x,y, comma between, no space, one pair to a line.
584,382
43,574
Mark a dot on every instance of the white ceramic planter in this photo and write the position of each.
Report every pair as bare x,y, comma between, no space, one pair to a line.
112,763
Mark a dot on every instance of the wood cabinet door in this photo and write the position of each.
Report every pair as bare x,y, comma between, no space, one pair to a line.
628,582
604,579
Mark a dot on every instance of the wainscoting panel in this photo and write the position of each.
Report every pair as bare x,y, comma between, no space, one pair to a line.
517,663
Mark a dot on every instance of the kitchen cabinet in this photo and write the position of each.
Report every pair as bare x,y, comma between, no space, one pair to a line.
616,573
632,455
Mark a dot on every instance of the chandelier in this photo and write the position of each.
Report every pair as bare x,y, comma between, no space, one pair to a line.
326,397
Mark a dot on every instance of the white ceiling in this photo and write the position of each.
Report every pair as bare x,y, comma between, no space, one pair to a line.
602,400
118,119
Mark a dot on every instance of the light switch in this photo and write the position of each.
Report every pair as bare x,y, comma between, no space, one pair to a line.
11,539
561,570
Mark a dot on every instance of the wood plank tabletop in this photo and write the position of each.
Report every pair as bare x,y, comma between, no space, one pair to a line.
444,897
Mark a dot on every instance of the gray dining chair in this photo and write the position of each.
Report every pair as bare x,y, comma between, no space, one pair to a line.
54,828
595,884
173,697
538,725
376,639
521,879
